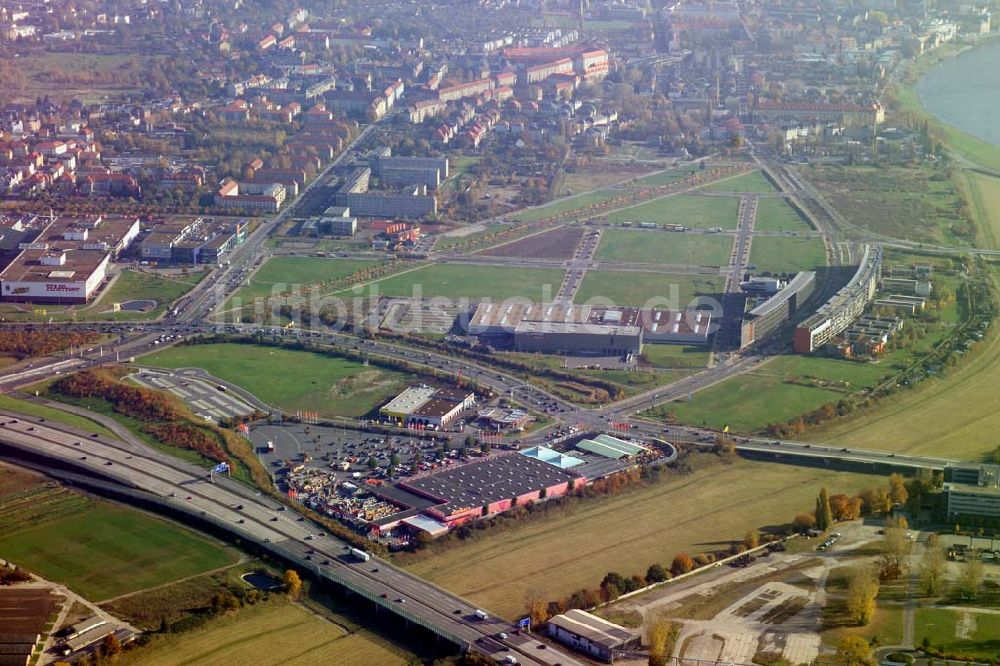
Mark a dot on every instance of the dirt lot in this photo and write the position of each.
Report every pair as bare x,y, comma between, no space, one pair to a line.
15,479
556,244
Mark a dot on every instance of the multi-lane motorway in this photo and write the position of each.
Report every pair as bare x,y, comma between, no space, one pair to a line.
186,488
178,486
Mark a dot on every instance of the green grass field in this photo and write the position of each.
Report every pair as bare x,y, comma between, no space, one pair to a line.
787,255
133,285
952,417
777,215
45,72
984,196
635,289
281,274
649,246
273,633
914,203
564,205
749,402
292,380
664,178
32,409
628,532
473,282
691,210
753,182
886,626
98,549
776,392
940,626
675,356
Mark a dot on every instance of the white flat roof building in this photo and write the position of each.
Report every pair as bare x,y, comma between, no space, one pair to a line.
408,401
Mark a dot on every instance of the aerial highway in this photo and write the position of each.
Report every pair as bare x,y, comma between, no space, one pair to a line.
186,488
182,487
509,385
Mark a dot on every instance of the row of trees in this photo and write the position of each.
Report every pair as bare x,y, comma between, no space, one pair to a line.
978,303
165,420
899,492
614,584
164,417
864,581
24,344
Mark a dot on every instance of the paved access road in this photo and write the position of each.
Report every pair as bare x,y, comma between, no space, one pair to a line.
205,398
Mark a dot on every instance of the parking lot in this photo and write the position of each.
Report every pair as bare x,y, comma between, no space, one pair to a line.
203,397
341,448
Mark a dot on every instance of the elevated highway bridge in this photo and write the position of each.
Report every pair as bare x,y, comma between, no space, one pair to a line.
139,474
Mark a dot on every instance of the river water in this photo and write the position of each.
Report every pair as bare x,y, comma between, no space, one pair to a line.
964,92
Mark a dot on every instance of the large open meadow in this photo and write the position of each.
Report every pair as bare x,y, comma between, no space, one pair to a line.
456,281
275,633
751,183
917,204
96,548
281,274
787,255
778,391
984,196
635,289
690,210
291,380
89,77
626,533
956,416
774,214
650,246
565,205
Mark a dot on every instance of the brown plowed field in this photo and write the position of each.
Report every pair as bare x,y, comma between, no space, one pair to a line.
555,244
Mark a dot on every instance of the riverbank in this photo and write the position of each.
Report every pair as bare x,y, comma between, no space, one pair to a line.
907,101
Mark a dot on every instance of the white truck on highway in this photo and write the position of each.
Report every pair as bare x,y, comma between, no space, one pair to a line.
360,554
482,615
